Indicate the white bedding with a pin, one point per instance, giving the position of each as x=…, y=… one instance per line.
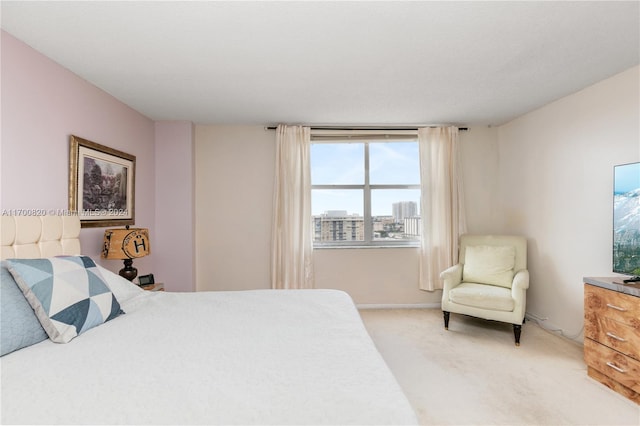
x=246, y=357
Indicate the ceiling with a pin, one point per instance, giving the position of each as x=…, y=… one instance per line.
x=464, y=63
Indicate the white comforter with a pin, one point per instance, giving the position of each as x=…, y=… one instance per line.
x=247, y=357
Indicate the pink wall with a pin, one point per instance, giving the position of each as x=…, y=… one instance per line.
x=42, y=104
x=175, y=206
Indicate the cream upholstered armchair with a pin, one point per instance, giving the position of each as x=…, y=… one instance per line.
x=490, y=281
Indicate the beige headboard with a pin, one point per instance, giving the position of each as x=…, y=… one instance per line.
x=31, y=237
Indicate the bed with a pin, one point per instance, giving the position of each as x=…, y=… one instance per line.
x=243, y=357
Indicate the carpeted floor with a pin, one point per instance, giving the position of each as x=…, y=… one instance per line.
x=473, y=374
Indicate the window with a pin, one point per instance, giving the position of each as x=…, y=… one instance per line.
x=365, y=193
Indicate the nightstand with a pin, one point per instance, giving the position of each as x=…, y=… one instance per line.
x=612, y=334
x=153, y=287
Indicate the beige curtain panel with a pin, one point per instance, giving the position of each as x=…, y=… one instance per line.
x=441, y=205
x=292, y=250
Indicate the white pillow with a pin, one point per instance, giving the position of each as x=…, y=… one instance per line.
x=489, y=265
x=122, y=288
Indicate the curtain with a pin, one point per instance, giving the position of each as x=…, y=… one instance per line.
x=292, y=244
x=441, y=203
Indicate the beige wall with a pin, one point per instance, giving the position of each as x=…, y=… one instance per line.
x=376, y=276
x=234, y=181
x=556, y=171
x=546, y=175
x=480, y=161
x=234, y=184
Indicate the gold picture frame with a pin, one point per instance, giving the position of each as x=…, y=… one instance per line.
x=101, y=184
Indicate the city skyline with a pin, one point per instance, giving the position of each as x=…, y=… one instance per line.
x=338, y=226
x=401, y=210
x=381, y=204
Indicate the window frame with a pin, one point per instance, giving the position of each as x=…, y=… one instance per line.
x=366, y=189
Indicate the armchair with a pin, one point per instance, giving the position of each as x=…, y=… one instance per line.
x=490, y=281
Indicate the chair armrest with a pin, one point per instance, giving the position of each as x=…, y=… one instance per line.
x=451, y=277
x=519, y=294
x=520, y=281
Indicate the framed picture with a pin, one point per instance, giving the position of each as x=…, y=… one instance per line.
x=101, y=184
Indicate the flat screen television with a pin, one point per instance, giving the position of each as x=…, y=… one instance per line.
x=626, y=220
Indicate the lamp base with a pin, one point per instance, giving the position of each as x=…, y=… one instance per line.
x=128, y=272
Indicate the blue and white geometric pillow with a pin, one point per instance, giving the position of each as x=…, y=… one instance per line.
x=19, y=326
x=67, y=293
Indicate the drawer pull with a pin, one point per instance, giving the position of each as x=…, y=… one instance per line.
x=617, y=308
x=613, y=336
x=615, y=367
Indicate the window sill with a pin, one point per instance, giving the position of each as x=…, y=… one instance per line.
x=345, y=247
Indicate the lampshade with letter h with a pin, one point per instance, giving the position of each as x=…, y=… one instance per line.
x=126, y=244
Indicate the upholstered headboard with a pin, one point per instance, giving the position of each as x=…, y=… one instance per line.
x=31, y=237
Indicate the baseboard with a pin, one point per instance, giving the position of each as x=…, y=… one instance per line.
x=398, y=306
x=543, y=323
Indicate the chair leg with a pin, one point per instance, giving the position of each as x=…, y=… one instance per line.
x=517, y=329
x=446, y=319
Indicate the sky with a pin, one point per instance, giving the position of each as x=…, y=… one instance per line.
x=389, y=163
x=627, y=178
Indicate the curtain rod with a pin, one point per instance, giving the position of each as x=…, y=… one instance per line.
x=384, y=129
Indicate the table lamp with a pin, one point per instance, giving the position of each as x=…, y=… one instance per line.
x=126, y=244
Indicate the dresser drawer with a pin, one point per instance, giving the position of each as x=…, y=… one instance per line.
x=605, y=303
x=611, y=363
x=621, y=337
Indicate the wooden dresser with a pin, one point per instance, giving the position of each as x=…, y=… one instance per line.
x=612, y=334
